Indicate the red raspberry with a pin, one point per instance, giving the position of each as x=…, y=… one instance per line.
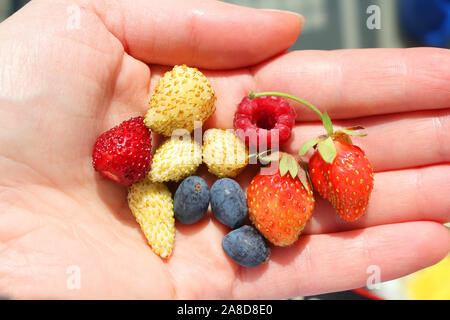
x=257, y=119
x=123, y=153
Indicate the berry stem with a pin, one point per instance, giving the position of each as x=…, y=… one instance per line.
x=252, y=95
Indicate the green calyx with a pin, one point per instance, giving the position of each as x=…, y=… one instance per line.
x=324, y=143
x=289, y=165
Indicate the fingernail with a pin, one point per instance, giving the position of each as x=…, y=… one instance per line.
x=301, y=17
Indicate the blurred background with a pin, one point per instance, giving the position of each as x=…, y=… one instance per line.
x=343, y=24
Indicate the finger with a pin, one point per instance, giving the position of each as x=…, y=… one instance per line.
x=346, y=260
x=207, y=34
x=356, y=83
x=345, y=83
x=393, y=142
x=397, y=196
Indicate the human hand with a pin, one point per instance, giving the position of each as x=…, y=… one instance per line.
x=61, y=87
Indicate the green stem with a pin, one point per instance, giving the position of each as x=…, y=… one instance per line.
x=285, y=95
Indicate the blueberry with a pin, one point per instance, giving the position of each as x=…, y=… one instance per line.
x=246, y=246
x=228, y=202
x=191, y=200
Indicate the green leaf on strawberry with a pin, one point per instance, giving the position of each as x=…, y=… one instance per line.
x=351, y=132
x=327, y=150
x=288, y=164
x=293, y=166
x=283, y=167
x=307, y=145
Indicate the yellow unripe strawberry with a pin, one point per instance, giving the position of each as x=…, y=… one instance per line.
x=152, y=205
x=176, y=159
x=182, y=96
x=224, y=154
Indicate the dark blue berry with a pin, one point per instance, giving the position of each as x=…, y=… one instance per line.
x=228, y=202
x=191, y=200
x=246, y=246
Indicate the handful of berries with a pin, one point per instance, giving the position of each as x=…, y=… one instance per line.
x=279, y=201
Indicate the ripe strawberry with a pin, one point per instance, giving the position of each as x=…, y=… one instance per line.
x=182, y=96
x=223, y=153
x=175, y=159
x=151, y=204
x=259, y=120
x=340, y=171
x=280, y=204
x=122, y=153
x=346, y=182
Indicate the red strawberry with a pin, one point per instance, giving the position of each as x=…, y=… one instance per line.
x=122, y=153
x=260, y=120
x=346, y=182
x=279, y=205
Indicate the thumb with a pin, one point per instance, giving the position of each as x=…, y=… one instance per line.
x=203, y=33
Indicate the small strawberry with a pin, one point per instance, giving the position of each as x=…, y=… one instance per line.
x=346, y=182
x=264, y=122
x=340, y=171
x=280, y=204
x=152, y=205
x=175, y=159
x=122, y=153
x=182, y=96
x=224, y=154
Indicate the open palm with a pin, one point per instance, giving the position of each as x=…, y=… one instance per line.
x=62, y=84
